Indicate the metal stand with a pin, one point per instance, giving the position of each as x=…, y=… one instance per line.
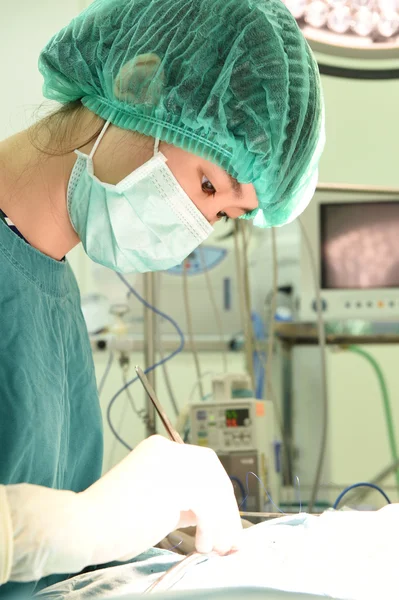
x=150, y=324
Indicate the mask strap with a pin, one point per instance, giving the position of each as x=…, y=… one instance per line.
x=100, y=137
x=156, y=146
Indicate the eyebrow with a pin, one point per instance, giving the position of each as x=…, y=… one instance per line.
x=237, y=189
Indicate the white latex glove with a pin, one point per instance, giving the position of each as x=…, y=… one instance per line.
x=6, y=537
x=159, y=487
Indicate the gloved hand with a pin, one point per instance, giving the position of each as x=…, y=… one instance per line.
x=159, y=487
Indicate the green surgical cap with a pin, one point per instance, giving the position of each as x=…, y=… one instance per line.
x=232, y=81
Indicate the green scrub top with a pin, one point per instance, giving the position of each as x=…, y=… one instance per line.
x=50, y=418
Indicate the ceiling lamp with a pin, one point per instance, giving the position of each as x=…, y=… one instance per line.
x=356, y=24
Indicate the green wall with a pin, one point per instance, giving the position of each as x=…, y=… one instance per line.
x=362, y=127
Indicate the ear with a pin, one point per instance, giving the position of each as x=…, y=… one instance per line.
x=140, y=80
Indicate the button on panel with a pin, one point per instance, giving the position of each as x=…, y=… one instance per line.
x=323, y=305
x=370, y=304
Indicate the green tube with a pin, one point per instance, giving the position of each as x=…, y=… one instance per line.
x=386, y=402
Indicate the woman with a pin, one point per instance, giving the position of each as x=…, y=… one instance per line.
x=175, y=114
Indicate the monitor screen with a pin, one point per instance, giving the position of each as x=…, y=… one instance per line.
x=359, y=245
x=237, y=417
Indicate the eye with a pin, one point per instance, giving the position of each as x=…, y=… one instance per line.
x=222, y=215
x=207, y=186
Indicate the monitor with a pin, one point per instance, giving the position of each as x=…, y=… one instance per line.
x=354, y=238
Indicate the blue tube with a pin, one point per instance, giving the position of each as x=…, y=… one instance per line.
x=158, y=364
x=356, y=485
x=259, y=358
x=244, y=496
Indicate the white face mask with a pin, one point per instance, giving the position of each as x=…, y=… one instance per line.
x=144, y=223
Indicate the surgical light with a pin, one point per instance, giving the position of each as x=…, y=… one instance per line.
x=364, y=21
x=360, y=24
x=388, y=25
x=296, y=7
x=316, y=13
x=339, y=19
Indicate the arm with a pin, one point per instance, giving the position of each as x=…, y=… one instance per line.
x=158, y=487
x=6, y=537
x=42, y=533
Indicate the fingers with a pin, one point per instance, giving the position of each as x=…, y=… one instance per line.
x=194, y=480
x=214, y=504
x=213, y=536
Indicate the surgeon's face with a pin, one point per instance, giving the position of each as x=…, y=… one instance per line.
x=213, y=191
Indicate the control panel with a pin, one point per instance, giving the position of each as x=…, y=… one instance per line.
x=385, y=305
x=231, y=425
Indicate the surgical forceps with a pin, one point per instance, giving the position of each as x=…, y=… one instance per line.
x=174, y=436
